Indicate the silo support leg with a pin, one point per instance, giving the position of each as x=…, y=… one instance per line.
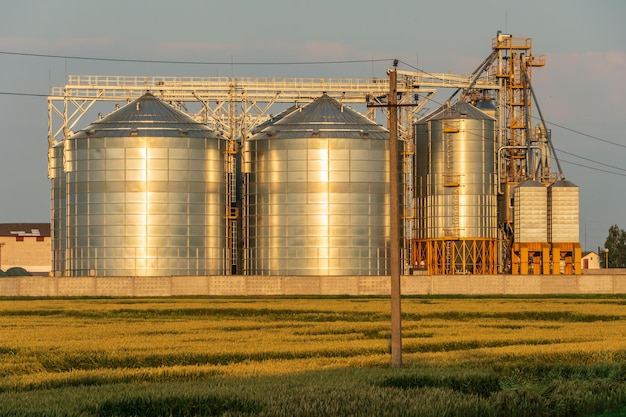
x=524, y=260
x=546, y=260
x=556, y=260
x=577, y=260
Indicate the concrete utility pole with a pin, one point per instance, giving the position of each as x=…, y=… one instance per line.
x=394, y=235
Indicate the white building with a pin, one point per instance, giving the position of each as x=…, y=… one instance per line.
x=590, y=260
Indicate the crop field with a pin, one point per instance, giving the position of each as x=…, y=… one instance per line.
x=313, y=356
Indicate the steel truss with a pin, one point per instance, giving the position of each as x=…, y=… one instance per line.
x=253, y=98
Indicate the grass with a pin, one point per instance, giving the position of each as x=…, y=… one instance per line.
x=312, y=356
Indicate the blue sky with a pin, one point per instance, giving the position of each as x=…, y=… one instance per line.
x=580, y=90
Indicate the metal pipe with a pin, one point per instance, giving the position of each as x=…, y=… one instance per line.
x=477, y=73
x=500, y=149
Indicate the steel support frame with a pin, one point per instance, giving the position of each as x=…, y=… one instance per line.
x=254, y=96
x=474, y=257
x=566, y=258
x=513, y=136
x=530, y=258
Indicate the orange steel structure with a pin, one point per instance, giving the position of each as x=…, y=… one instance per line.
x=448, y=257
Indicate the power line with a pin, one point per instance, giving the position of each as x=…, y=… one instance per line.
x=560, y=150
x=590, y=160
x=159, y=61
x=422, y=71
x=312, y=63
x=6, y=93
x=587, y=135
x=593, y=168
x=547, y=121
x=577, y=156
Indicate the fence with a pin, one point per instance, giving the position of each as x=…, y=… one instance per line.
x=310, y=285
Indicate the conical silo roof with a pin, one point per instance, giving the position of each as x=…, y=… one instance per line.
x=147, y=116
x=274, y=119
x=459, y=110
x=564, y=183
x=325, y=117
x=530, y=183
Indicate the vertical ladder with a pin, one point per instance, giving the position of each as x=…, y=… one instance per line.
x=231, y=181
x=233, y=211
x=451, y=178
x=455, y=211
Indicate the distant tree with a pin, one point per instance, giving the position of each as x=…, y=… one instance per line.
x=616, y=244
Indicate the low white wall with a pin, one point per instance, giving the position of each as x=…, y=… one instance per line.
x=310, y=285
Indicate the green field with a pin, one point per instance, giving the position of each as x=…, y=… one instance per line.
x=313, y=356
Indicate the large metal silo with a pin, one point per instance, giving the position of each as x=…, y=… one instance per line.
x=456, y=191
x=146, y=195
x=317, y=199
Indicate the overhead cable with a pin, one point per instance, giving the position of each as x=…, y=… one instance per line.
x=159, y=61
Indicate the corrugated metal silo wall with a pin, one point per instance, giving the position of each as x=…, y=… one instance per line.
x=530, y=213
x=317, y=206
x=563, y=213
x=146, y=206
x=456, y=184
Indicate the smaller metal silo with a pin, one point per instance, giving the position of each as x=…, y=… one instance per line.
x=563, y=215
x=563, y=227
x=530, y=212
x=531, y=252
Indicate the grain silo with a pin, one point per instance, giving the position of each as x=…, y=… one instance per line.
x=146, y=195
x=317, y=195
x=563, y=227
x=456, y=225
x=531, y=251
